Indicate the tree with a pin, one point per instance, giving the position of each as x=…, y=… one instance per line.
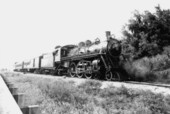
x=149, y=32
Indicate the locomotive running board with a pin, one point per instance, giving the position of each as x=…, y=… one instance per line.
x=79, y=57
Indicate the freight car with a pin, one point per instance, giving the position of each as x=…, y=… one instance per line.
x=90, y=59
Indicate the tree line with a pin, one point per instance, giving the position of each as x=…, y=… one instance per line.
x=147, y=34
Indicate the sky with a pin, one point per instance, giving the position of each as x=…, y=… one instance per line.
x=29, y=28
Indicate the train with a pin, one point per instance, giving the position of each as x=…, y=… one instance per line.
x=99, y=60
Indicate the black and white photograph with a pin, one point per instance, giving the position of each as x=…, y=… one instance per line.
x=84, y=57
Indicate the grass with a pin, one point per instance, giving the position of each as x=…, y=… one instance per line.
x=60, y=97
x=153, y=69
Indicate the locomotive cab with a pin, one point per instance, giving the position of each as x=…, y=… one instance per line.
x=61, y=61
x=65, y=50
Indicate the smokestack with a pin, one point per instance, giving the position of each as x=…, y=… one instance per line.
x=108, y=35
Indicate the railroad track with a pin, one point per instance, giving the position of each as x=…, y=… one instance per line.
x=150, y=84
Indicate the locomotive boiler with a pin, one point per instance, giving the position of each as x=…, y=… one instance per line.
x=91, y=60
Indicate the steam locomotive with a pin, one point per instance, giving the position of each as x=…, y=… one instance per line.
x=90, y=59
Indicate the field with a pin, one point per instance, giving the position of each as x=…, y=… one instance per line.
x=61, y=97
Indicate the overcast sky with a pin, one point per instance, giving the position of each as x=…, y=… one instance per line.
x=29, y=28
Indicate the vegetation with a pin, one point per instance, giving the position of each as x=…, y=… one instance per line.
x=153, y=69
x=146, y=42
x=148, y=33
x=60, y=97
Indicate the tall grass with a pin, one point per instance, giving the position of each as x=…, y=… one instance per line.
x=63, y=92
x=91, y=87
x=155, y=69
x=123, y=100
x=88, y=98
x=60, y=97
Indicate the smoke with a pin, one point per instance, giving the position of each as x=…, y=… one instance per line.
x=139, y=70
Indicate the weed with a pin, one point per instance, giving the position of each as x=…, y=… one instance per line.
x=91, y=87
x=60, y=97
x=148, y=69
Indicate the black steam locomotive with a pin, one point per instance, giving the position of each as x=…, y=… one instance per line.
x=90, y=59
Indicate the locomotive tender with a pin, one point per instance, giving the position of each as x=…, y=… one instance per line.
x=91, y=60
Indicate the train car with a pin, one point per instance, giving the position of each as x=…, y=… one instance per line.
x=32, y=65
x=28, y=65
x=18, y=66
x=37, y=64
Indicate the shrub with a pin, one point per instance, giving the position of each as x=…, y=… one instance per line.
x=123, y=100
x=155, y=102
x=149, y=69
x=63, y=92
x=91, y=87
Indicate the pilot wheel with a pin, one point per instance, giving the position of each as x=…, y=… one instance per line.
x=116, y=76
x=112, y=76
x=108, y=75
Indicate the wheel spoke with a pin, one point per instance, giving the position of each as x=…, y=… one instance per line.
x=80, y=69
x=88, y=73
x=72, y=70
x=79, y=73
